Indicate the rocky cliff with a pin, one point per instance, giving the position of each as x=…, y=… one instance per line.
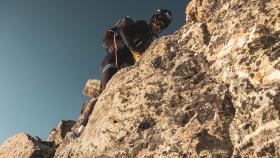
x=211, y=89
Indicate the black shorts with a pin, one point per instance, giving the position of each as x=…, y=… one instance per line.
x=124, y=59
x=109, y=60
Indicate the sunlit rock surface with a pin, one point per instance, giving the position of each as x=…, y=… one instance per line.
x=24, y=146
x=211, y=89
x=56, y=135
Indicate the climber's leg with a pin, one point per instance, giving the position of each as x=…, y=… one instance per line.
x=108, y=68
x=88, y=111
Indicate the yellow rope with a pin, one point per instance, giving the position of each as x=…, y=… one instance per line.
x=116, y=50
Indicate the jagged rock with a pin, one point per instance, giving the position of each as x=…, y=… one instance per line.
x=25, y=146
x=92, y=88
x=209, y=90
x=66, y=126
x=59, y=133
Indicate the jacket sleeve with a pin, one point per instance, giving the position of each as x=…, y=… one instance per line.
x=126, y=37
x=136, y=36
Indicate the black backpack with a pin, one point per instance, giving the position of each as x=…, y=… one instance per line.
x=108, y=35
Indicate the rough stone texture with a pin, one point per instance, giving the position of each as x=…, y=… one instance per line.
x=25, y=146
x=92, y=88
x=209, y=90
x=58, y=134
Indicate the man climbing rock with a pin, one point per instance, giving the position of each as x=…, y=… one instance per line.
x=128, y=40
x=125, y=43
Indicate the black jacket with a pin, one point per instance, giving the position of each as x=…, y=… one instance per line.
x=133, y=37
x=137, y=36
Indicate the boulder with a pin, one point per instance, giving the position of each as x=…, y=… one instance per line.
x=24, y=146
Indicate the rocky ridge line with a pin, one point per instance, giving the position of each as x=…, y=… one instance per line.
x=211, y=89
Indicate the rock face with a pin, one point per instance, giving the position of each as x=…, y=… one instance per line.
x=212, y=89
x=25, y=146
x=209, y=90
x=92, y=88
x=59, y=133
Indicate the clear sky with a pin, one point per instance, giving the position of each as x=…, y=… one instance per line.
x=48, y=51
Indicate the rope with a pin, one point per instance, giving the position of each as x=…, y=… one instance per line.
x=116, y=50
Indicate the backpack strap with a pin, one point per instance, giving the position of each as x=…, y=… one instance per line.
x=116, y=47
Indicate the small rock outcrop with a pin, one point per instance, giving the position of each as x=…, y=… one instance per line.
x=211, y=89
x=59, y=133
x=92, y=88
x=24, y=146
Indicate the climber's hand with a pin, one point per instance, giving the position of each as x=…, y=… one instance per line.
x=136, y=55
x=71, y=136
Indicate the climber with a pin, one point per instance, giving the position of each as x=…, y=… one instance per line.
x=125, y=43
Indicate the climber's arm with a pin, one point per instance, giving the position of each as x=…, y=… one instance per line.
x=135, y=35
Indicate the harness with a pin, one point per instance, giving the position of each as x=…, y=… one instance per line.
x=136, y=56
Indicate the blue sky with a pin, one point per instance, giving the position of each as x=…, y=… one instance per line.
x=50, y=48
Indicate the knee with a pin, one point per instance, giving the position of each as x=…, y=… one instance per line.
x=107, y=73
